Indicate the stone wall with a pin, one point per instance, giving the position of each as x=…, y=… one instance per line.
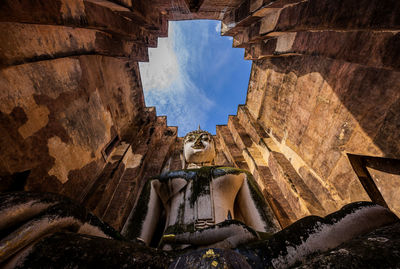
x=73, y=117
x=324, y=83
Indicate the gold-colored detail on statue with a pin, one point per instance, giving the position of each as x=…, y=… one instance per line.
x=209, y=254
x=168, y=238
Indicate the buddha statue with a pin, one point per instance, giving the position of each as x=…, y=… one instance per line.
x=203, y=216
x=203, y=205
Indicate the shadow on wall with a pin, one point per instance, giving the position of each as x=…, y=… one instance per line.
x=318, y=109
x=370, y=95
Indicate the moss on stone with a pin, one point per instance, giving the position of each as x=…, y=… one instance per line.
x=200, y=178
x=181, y=211
x=201, y=183
x=139, y=213
x=222, y=170
x=180, y=228
x=187, y=174
x=260, y=202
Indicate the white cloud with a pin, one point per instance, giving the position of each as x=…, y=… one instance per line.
x=168, y=85
x=218, y=27
x=163, y=68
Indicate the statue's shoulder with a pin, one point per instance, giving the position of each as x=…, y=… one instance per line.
x=223, y=170
x=205, y=171
x=186, y=174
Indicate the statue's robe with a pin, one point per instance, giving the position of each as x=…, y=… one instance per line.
x=195, y=199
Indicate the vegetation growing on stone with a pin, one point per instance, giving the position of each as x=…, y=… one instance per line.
x=201, y=184
x=139, y=212
x=180, y=228
x=200, y=177
x=260, y=202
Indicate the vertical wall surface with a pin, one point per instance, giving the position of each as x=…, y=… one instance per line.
x=325, y=82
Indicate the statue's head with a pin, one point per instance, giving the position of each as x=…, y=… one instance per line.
x=198, y=147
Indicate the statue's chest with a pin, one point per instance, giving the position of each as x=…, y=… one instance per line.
x=205, y=200
x=202, y=201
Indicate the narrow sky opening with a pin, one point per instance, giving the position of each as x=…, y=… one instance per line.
x=195, y=76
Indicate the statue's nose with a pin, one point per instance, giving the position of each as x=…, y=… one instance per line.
x=198, y=143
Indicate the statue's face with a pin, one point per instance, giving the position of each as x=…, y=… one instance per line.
x=198, y=148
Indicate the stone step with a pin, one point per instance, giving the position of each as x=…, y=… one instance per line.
x=333, y=15
x=52, y=42
x=366, y=48
x=221, y=158
x=270, y=189
x=99, y=15
x=301, y=199
x=259, y=168
x=323, y=28
x=162, y=139
x=239, y=134
x=135, y=170
x=103, y=188
x=251, y=11
x=229, y=146
x=175, y=159
x=120, y=202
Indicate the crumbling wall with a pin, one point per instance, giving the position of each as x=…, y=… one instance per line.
x=71, y=98
x=325, y=82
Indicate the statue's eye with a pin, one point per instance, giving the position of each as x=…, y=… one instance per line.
x=190, y=139
x=205, y=138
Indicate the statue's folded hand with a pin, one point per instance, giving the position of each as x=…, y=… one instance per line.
x=227, y=234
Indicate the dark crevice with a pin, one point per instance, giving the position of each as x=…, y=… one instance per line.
x=14, y=182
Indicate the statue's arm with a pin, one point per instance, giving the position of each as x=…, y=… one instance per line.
x=143, y=219
x=254, y=209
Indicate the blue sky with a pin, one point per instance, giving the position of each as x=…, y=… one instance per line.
x=195, y=76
